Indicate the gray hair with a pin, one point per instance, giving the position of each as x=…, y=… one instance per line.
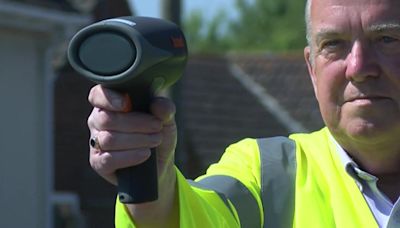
x=308, y=30
x=308, y=21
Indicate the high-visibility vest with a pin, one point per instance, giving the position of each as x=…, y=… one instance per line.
x=274, y=182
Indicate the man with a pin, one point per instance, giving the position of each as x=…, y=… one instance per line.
x=346, y=175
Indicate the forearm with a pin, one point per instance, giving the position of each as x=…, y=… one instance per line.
x=164, y=212
x=192, y=207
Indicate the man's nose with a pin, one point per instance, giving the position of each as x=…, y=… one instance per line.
x=361, y=62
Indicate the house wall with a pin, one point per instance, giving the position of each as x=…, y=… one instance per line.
x=28, y=37
x=24, y=167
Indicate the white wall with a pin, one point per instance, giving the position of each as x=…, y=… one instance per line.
x=28, y=37
x=22, y=146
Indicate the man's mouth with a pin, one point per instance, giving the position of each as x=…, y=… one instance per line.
x=366, y=99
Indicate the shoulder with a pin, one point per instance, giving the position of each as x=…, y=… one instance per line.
x=316, y=140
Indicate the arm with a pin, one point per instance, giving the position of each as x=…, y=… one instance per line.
x=126, y=139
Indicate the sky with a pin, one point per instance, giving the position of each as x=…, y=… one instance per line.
x=209, y=8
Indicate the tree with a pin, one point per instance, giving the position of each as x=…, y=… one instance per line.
x=262, y=25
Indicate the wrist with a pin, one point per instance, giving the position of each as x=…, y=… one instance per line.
x=165, y=208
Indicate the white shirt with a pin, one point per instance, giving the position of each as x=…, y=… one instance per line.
x=385, y=212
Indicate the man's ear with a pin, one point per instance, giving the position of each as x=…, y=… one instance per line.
x=311, y=70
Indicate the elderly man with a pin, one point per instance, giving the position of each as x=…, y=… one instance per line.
x=345, y=175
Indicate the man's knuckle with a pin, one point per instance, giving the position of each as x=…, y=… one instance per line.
x=104, y=119
x=106, y=163
x=91, y=95
x=107, y=139
x=93, y=163
x=90, y=121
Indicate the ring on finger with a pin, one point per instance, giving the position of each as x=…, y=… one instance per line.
x=94, y=143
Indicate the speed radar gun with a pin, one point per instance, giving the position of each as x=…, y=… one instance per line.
x=137, y=56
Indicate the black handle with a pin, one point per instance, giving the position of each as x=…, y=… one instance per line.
x=139, y=184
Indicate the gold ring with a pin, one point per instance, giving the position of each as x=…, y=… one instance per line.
x=94, y=143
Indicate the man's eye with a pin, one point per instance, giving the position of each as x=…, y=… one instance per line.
x=388, y=39
x=331, y=44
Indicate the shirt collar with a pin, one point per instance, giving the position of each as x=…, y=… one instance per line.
x=351, y=166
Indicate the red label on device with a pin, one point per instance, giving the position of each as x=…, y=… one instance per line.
x=178, y=42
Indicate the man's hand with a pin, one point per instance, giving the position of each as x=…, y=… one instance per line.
x=125, y=138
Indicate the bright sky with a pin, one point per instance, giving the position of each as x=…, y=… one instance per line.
x=208, y=7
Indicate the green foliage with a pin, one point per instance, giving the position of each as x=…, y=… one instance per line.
x=202, y=35
x=262, y=25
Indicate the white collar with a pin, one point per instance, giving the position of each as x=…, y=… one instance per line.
x=351, y=166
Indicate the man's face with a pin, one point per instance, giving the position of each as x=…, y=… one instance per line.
x=355, y=66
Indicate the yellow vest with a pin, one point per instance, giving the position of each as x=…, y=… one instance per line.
x=325, y=195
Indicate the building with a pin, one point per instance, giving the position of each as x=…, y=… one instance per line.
x=30, y=37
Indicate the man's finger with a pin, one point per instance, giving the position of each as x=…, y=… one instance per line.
x=108, y=99
x=164, y=109
x=116, y=141
x=134, y=122
x=106, y=163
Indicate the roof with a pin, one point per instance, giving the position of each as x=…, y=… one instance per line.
x=219, y=107
x=286, y=79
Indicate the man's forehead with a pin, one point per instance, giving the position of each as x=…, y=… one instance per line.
x=369, y=13
x=350, y=2
x=389, y=5
x=325, y=33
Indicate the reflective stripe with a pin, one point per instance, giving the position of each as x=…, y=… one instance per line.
x=245, y=204
x=278, y=175
x=222, y=196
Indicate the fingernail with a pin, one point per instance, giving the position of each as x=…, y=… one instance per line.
x=156, y=139
x=144, y=154
x=127, y=104
x=117, y=102
x=115, y=99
